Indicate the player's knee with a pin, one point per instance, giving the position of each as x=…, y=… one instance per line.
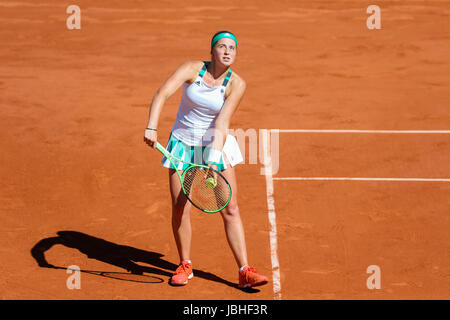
x=179, y=207
x=231, y=211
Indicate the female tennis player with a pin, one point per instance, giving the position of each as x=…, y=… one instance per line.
x=211, y=95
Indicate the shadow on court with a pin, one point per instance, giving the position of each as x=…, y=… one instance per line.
x=121, y=256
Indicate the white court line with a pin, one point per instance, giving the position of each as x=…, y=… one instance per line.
x=358, y=131
x=362, y=179
x=272, y=216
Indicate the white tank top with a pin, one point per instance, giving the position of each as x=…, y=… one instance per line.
x=200, y=104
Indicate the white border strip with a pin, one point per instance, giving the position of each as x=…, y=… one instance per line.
x=272, y=216
x=357, y=131
x=362, y=179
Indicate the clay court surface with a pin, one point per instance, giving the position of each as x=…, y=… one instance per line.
x=78, y=186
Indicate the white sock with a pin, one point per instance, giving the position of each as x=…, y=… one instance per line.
x=188, y=261
x=242, y=268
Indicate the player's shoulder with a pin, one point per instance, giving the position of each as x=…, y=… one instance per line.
x=236, y=81
x=190, y=69
x=190, y=65
x=194, y=64
x=237, y=85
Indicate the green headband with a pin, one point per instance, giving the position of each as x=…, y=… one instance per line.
x=221, y=36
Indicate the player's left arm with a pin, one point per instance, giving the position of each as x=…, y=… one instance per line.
x=229, y=107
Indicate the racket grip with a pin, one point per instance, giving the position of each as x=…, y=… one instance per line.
x=160, y=148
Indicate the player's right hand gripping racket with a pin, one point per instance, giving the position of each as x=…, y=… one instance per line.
x=206, y=188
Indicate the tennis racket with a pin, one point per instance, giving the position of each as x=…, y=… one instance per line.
x=206, y=188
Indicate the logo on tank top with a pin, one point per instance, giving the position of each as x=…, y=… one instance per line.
x=197, y=82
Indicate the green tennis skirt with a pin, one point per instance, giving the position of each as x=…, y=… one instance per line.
x=192, y=154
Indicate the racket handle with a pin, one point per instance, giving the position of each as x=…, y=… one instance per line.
x=159, y=147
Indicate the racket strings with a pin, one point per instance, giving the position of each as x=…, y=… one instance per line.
x=205, y=195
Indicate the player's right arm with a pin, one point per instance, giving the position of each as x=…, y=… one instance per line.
x=186, y=71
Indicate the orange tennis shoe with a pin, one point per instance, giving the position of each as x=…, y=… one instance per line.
x=249, y=277
x=182, y=274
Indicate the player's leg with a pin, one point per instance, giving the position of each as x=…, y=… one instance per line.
x=181, y=222
x=234, y=229
x=248, y=276
x=181, y=227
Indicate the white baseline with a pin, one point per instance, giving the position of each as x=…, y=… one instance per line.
x=363, y=179
x=360, y=131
